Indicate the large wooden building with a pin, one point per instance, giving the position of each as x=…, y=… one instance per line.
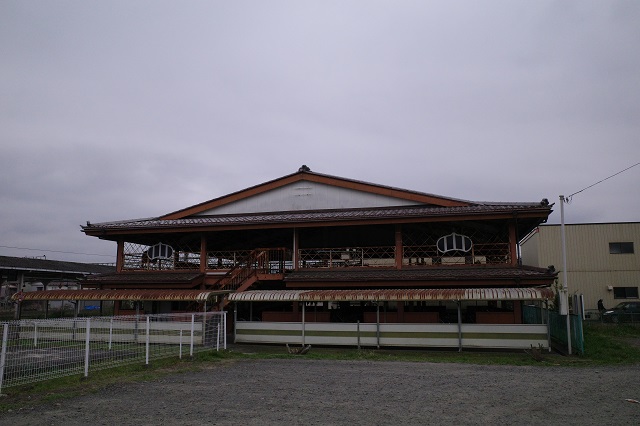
x=312, y=258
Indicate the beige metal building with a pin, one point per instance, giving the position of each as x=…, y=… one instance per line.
x=603, y=261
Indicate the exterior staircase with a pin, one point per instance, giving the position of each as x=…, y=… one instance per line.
x=260, y=262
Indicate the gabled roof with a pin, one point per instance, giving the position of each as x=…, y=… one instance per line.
x=417, y=205
x=304, y=174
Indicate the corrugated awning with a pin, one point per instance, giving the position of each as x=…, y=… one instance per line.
x=150, y=295
x=407, y=295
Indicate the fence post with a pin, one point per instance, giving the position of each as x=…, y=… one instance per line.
x=204, y=326
x=35, y=334
x=147, y=344
x=3, y=354
x=378, y=324
x=86, y=347
x=224, y=328
x=303, y=322
x=110, y=332
x=218, y=338
x=180, y=355
x=548, y=325
x=193, y=319
x=358, y=332
x=459, y=326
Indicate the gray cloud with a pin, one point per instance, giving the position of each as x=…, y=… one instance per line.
x=116, y=110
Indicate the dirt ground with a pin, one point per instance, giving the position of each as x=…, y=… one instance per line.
x=321, y=392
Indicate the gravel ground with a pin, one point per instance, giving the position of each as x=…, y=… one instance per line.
x=319, y=392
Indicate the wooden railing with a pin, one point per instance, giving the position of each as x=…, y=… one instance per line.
x=258, y=261
x=385, y=256
x=335, y=257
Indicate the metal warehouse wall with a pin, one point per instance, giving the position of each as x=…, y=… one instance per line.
x=590, y=266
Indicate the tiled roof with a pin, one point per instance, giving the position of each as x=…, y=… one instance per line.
x=43, y=265
x=144, y=278
x=318, y=216
x=420, y=274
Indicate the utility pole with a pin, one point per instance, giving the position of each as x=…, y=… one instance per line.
x=564, y=299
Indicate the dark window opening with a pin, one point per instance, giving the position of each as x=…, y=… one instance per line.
x=625, y=292
x=620, y=248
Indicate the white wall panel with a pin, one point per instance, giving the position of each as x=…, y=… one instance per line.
x=306, y=195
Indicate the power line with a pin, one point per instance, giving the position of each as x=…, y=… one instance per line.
x=568, y=198
x=57, y=251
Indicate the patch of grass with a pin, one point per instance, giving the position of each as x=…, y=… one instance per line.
x=611, y=344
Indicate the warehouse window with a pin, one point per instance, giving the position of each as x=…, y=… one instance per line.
x=625, y=292
x=620, y=248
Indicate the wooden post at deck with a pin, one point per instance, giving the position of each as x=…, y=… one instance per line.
x=513, y=244
x=296, y=255
x=203, y=254
x=120, y=256
x=517, y=311
x=398, y=255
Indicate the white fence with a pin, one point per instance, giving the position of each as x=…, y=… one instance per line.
x=36, y=350
x=496, y=336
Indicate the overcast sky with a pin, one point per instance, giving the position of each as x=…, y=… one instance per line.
x=114, y=110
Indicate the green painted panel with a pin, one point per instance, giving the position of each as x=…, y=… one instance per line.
x=396, y=335
x=256, y=332
x=417, y=335
x=337, y=333
x=505, y=336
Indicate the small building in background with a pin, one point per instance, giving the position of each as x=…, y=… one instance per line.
x=603, y=262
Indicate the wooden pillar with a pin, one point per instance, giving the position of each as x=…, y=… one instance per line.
x=513, y=243
x=203, y=253
x=398, y=241
x=517, y=311
x=120, y=256
x=296, y=310
x=295, y=254
x=400, y=307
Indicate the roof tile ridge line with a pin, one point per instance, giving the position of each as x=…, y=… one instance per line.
x=301, y=174
x=415, y=207
x=116, y=222
x=537, y=269
x=328, y=211
x=395, y=188
x=231, y=194
x=511, y=203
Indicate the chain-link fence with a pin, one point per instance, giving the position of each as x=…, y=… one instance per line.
x=36, y=350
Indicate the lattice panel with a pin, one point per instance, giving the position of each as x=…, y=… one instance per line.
x=226, y=259
x=158, y=257
x=346, y=256
x=490, y=244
